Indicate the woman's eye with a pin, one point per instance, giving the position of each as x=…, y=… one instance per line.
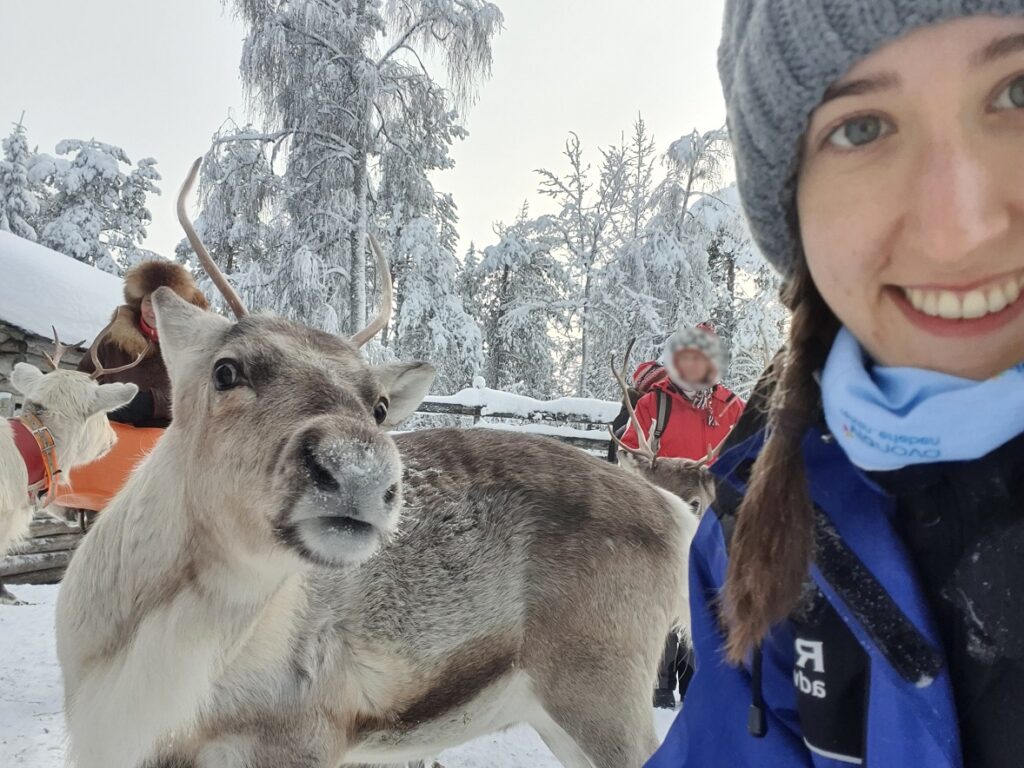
x=1011, y=97
x=380, y=411
x=859, y=132
x=226, y=375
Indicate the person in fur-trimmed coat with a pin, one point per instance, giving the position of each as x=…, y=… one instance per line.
x=132, y=332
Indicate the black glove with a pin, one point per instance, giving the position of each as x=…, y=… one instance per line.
x=139, y=412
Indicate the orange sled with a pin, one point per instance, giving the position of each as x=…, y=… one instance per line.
x=93, y=485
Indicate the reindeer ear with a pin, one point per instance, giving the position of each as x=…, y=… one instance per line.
x=24, y=376
x=183, y=329
x=405, y=385
x=110, y=397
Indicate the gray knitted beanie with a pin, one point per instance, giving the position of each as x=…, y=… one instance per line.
x=776, y=60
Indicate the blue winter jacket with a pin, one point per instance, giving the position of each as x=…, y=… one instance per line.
x=855, y=677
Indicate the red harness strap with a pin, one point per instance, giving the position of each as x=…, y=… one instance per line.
x=37, y=448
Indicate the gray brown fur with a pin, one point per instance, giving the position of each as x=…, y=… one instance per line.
x=510, y=579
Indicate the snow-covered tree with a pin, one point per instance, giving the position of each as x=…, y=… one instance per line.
x=583, y=227
x=236, y=186
x=19, y=202
x=94, y=210
x=520, y=289
x=344, y=91
x=431, y=322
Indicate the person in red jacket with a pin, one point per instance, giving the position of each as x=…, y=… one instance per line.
x=692, y=413
x=700, y=411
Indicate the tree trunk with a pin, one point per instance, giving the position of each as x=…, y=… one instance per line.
x=357, y=266
x=585, y=336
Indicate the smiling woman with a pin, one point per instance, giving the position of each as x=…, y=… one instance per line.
x=910, y=203
x=862, y=569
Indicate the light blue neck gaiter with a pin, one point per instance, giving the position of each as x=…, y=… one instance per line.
x=889, y=418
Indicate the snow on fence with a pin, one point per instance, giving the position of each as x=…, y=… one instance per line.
x=578, y=421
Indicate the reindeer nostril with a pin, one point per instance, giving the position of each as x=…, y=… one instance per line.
x=390, y=494
x=323, y=479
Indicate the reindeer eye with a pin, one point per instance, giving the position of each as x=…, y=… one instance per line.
x=380, y=410
x=227, y=374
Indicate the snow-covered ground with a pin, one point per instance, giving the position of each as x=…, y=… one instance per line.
x=32, y=726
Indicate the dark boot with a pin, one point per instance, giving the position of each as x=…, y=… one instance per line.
x=664, y=693
x=664, y=699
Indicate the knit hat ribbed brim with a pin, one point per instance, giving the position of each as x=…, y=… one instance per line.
x=776, y=60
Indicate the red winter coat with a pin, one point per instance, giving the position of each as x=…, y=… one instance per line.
x=687, y=434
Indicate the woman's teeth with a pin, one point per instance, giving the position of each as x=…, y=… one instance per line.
x=971, y=305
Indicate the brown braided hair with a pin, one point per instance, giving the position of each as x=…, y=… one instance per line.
x=772, y=545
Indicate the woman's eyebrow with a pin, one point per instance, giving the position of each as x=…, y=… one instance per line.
x=997, y=49
x=884, y=81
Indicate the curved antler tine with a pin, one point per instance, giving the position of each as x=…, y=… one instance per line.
x=96, y=364
x=58, y=350
x=387, y=298
x=647, y=443
x=101, y=371
x=225, y=288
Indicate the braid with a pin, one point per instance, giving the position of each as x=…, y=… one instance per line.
x=773, y=542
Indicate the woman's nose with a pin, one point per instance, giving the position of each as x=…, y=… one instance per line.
x=963, y=202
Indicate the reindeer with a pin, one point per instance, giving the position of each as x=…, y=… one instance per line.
x=284, y=584
x=688, y=479
x=63, y=422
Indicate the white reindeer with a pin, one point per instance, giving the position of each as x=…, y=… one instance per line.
x=282, y=584
x=62, y=423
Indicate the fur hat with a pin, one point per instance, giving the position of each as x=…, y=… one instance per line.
x=704, y=339
x=145, y=277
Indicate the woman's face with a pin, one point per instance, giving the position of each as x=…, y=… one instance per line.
x=911, y=198
x=147, y=311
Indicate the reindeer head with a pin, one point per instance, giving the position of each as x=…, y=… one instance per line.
x=688, y=479
x=286, y=426
x=73, y=406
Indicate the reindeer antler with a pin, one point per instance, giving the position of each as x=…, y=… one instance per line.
x=713, y=451
x=378, y=323
x=225, y=288
x=647, y=445
x=58, y=349
x=99, y=370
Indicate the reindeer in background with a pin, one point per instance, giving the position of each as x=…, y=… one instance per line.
x=284, y=584
x=62, y=423
x=688, y=479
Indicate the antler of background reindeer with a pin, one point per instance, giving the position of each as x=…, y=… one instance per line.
x=647, y=443
x=59, y=349
x=231, y=297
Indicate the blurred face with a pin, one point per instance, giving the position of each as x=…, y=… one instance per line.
x=692, y=366
x=147, y=311
x=911, y=198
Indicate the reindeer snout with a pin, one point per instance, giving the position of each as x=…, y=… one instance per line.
x=349, y=496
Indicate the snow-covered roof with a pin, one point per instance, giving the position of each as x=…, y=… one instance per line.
x=40, y=287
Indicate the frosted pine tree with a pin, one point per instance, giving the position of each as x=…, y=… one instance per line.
x=236, y=223
x=751, y=317
x=19, y=203
x=584, y=230
x=431, y=322
x=520, y=289
x=343, y=90
x=95, y=211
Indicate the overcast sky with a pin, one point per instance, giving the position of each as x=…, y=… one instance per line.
x=159, y=78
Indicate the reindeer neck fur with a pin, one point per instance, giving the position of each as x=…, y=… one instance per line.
x=159, y=560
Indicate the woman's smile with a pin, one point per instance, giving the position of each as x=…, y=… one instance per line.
x=963, y=310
